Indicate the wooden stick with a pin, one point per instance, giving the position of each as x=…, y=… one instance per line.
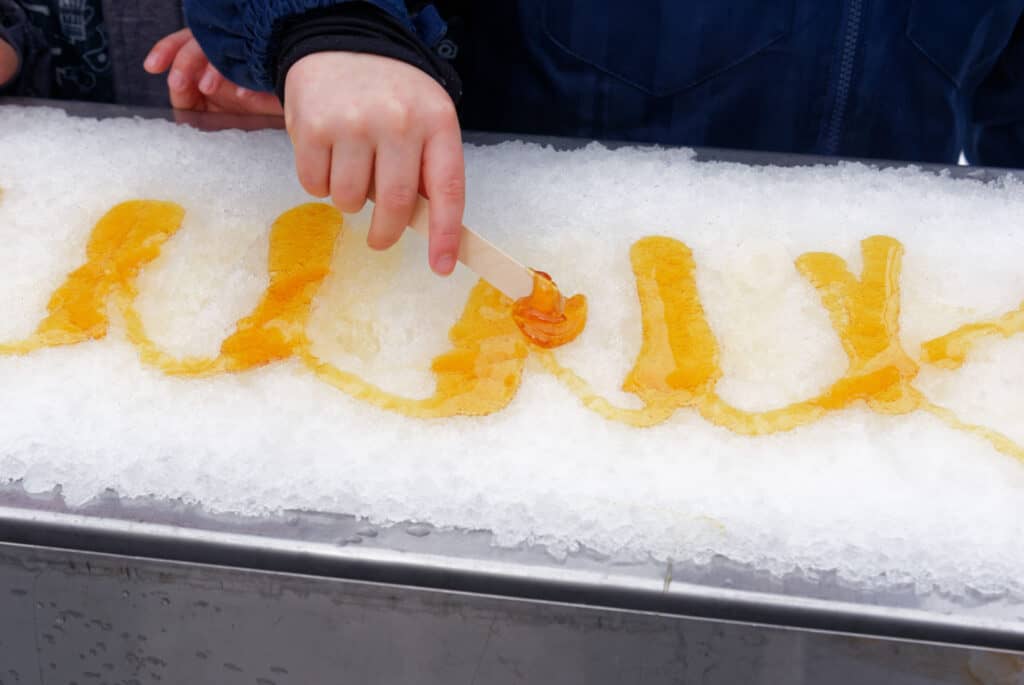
x=486, y=259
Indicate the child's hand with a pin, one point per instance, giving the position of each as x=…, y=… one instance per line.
x=8, y=62
x=195, y=84
x=359, y=121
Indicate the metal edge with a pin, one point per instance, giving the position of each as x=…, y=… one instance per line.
x=498, y=579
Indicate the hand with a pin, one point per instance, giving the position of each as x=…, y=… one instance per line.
x=359, y=121
x=196, y=84
x=8, y=62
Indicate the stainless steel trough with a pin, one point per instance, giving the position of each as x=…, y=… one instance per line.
x=154, y=591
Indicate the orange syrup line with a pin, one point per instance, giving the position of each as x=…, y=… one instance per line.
x=678, y=365
x=124, y=240
x=678, y=362
x=950, y=351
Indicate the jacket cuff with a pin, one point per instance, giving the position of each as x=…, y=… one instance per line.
x=262, y=22
x=239, y=36
x=360, y=27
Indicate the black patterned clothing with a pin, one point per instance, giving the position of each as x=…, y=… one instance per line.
x=87, y=49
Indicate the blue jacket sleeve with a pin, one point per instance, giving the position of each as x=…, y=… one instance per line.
x=238, y=35
x=995, y=135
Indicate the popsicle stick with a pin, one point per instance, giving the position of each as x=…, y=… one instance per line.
x=486, y=259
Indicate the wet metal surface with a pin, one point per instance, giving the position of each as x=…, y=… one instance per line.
x=85, y=618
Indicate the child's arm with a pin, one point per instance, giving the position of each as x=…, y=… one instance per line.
x=367, y=103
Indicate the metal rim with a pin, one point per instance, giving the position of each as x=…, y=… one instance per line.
x=497, y=579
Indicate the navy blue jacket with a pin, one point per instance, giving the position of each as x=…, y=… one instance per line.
x=898, y=79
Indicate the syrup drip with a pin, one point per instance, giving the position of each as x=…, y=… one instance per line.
x=480, y=375
x=301, y=247
x=677, y=367
x=127, y=238
x=546, y=318
x=950, y=351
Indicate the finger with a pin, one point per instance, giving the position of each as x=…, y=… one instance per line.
x=313, y=165
x=225, y=96
x=255, y=102
x=444, y=180
x=396, y=181
x=351, y=169
x=211, y=80
x=185, y=97
x=189, y=64
x=162, y=53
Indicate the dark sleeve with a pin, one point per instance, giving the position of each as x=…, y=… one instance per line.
x=995, y=135
x=240, y=37
x=358, y=27
x=34, y=77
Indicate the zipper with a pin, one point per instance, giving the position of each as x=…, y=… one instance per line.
x=851, y=36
